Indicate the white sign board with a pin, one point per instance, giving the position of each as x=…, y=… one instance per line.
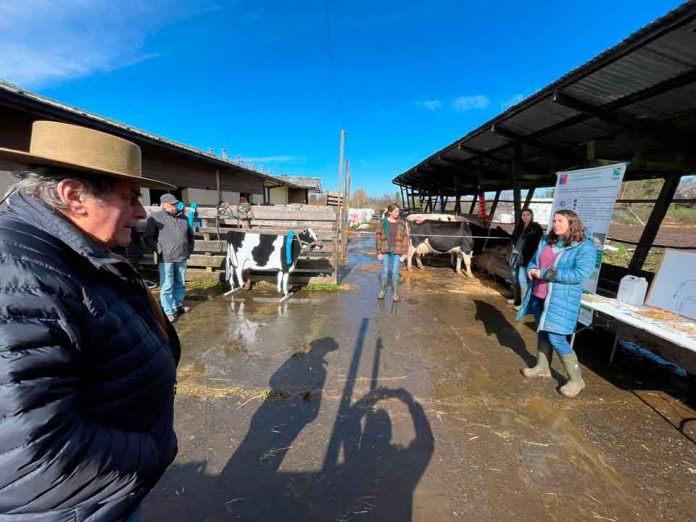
x=592, y=194
x=674, y=286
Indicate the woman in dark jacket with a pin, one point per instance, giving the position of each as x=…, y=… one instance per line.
x=564, y=260
x=525, y=240
x=87, y=358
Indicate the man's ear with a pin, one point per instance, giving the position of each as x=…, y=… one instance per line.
x=72, y=193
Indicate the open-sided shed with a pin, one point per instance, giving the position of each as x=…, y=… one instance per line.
x=635, y=102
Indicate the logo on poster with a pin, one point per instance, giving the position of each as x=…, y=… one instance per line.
x=563, y=180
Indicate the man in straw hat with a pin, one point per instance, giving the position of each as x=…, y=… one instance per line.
x=87, y=358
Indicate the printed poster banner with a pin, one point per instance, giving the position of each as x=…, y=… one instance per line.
x=592, y=194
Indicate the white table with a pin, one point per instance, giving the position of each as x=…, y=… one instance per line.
x=625, y=316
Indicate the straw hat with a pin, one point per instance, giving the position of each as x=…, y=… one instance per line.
x=68, y=146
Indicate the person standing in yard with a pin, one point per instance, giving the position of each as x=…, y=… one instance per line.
x=87, y=358
x=563, y=261
x=392, y=240
x=525, y=240
x=168, y=233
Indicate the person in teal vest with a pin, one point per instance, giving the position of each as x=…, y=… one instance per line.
x=391, y=241
x=563, y=261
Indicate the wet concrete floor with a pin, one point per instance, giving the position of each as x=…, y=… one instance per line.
x=335, y=406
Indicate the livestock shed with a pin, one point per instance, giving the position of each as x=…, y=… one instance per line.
x=202, y=177
x=295, y=189
x=635, y=102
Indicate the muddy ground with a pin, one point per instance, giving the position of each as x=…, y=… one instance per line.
x=335, y=406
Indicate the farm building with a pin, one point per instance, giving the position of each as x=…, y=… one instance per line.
x=202, y=177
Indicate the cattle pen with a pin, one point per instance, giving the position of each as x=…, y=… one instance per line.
x=210, y=246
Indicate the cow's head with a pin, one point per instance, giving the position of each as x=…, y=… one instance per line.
x=309, y=239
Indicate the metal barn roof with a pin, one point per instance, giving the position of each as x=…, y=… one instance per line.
x=634, y=102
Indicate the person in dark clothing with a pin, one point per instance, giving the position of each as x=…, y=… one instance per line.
x=168, y=233
x=391, y=241
x=87, y=358
x=525, y=240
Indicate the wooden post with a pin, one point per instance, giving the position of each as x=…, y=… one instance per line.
x=458, y=205
x=528, y=199
x=669, y=188
x=218, y=185
x=516, y=174
x=474, y=197
x=495, y=204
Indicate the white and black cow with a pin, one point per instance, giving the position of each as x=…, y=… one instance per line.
x=266, y=253
x=461, y=240
x=441, y=237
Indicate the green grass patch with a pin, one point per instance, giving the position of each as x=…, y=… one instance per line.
x=208, y=283
x=322, y=287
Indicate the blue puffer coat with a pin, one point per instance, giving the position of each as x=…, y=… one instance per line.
x=570, y=269
x=87, y=375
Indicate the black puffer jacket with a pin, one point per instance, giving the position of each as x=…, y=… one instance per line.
x=87, y=375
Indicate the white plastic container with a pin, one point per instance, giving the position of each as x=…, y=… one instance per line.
x=632, y=290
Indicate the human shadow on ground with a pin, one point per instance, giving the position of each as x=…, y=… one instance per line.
x=495, y=323
x=363, y=473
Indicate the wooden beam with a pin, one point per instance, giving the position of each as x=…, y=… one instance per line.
x=516, y=171
x=669, y=188
x=528, y=199
x=473, y=202
x=533, y=141
x=495, y=204
x=653, y=129
x=483, y=154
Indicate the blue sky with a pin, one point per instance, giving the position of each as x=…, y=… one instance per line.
x=256, y=78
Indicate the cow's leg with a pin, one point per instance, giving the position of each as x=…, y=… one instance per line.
x=467, y=263
x=280, y=281
x=239, y=271
x=459, y=256
x=286, y=276
x=419, y=262
x=409, y=257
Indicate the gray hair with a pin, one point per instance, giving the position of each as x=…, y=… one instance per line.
x=42, y=183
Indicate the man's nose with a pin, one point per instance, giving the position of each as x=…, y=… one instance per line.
x=139, y=211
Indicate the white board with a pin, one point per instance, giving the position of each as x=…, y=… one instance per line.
x=674, y=286
x=592, y=194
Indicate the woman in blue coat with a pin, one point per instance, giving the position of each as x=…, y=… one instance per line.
x=563, y=261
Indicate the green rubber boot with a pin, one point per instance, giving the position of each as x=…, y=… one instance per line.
x=575, y=383
x=542, y=367
x=382, y=288
x=395, y=291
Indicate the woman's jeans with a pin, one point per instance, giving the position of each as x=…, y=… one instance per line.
x=172, y=288
x=519, y=283
x=558, y=341
x=390, y=261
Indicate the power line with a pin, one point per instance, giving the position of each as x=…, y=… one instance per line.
x=329, y=49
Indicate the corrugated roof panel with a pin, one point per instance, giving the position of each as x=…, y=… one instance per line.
x=540, y=116
x=634, y=73
x=661, y=51
x=665, y=105
x=487, y=141
x=678, y=44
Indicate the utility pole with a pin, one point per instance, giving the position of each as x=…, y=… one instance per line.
x=344, y=225
x=340, y=177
